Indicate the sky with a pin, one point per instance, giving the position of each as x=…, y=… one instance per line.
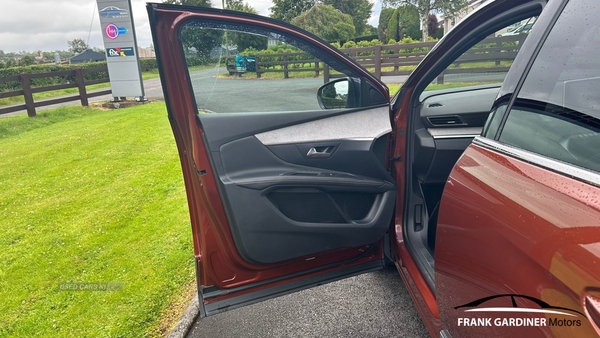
x=47, y=25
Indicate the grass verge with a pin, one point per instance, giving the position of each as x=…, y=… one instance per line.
x=91, y=196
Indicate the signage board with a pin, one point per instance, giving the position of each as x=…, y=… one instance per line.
x=118, y=34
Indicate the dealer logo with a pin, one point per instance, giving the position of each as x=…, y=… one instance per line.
x=120, y=52
x=558, y=316
x=113, y=31
x=113, y=12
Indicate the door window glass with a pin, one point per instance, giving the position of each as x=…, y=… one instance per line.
x=488, y=61
x=245, y=69
x=557, y=112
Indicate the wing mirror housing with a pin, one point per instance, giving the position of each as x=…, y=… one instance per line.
x=334, y=94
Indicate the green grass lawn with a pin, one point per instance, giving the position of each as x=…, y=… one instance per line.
x=88, y=195
x=394, y=87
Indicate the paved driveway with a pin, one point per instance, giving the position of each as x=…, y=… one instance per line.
x=370, y=305
x=236, y=95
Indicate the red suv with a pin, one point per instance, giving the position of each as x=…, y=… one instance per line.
x=479, y=179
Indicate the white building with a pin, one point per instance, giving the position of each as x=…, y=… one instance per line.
x=450, y=22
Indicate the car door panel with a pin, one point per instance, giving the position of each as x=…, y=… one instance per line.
x=281, y=210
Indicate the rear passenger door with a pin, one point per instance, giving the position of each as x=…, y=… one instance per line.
x=520, y=212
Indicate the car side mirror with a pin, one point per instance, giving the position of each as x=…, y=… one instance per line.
x=334, y=94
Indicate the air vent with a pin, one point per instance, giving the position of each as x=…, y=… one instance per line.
x=448, y=120
x=435, y=105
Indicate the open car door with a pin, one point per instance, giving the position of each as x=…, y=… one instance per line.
x=286, y=178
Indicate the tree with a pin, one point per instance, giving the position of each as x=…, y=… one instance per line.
x=193, y=35
x=449, y=8
x=244, y=41
x=432, y=27
x=394, y=31
x=384, y=19
x=77, y=46
x=201, y=3
x=287, y=10
x=64, y=54
x=370, y=30
x=10, y=63
x=326, y=22
x=409, y=20
x=359, y=10
x=439, y=34
x=27, y=60
x=239, y=5
x=48, y=55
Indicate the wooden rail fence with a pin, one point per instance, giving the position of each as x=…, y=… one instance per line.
x=398, y=59
x=27, y=90
x=291, y=62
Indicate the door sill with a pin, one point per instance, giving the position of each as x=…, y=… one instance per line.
x=282, y=289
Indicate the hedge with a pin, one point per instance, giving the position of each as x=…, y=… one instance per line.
x=148, y=65
x=283, y=48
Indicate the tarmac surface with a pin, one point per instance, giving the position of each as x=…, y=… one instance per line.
x=375, y=304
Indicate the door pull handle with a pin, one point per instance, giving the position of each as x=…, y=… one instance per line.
x=319, y=151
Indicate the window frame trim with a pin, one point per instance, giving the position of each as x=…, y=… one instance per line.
x=570, y=170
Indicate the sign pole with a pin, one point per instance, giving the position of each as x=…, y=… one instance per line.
x=122, y=59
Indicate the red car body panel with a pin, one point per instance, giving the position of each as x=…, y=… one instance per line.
x=505, y=223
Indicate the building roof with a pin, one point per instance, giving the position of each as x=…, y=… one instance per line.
x=88, y=56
